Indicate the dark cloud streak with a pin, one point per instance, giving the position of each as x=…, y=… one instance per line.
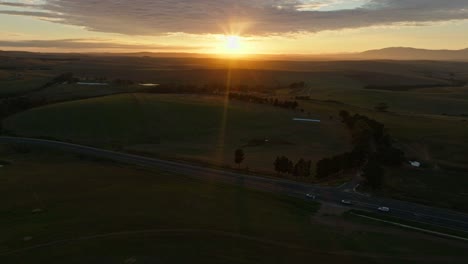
x=16, y=4
x=30, y=13
x=86, y=44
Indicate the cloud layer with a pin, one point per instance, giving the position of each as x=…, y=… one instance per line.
x=255, y=17
x=87, y=44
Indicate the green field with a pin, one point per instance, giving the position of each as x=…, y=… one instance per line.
x=444, y=188
x=11, y=86
x=185, y=126
x=427, y=101
x=439, y=142
x=190, y=127
x=429, y=138
x=95, y=212
x=429, y=124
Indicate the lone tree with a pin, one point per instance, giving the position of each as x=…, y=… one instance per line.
x=239, y=157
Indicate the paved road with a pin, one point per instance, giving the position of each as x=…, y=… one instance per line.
x=404, y=210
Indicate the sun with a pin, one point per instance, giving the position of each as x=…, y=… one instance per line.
x=233, y=44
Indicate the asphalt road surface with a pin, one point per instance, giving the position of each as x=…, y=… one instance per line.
x=405, y=210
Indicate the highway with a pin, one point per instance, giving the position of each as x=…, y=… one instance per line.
x=404, y=210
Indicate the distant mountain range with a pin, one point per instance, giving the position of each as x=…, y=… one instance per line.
x=392, y=53
x=402, y=53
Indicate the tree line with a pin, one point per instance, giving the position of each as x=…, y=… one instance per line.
x=339, y=164
x=293, y=105
x=372, y=149
x=301, y=168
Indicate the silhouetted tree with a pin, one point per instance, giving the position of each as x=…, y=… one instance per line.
x=284, y=165
x=391, y=156
x=302, y=168
x=290, y=167
x=239, y=157
x=323, y=168
x=373, y=174
x=344, y=115
x=277, y=164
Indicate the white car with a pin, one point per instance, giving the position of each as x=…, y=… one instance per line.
x=347, y=202
x=384, y=209
x=309, y=195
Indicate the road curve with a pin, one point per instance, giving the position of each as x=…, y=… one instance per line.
x=405, y=210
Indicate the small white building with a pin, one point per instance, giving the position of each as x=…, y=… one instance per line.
x=416, y=164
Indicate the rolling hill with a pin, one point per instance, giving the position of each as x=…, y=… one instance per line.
x=403, y=53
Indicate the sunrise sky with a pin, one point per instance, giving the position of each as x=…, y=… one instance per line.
x=224, y=26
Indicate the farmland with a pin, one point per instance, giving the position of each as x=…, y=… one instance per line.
x=193, y=127
x=144, y=214
x=429, y=124
x=273, y=131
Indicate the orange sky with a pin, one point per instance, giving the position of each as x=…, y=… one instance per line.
x=264, y=27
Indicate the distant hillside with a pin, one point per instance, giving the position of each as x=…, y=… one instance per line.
x=415, y=54
x=392, y=53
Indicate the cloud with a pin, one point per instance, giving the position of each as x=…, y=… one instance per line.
x=250, y=17
x=16, y=4
x=30, y=13
x=87, y=44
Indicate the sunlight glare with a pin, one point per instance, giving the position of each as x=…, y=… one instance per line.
x=233, y=43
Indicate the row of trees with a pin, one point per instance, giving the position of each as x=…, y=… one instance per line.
x=263, y=100
x=212, y=88
x=296, y=85
x=339, y=164
x=286, y=104
x=372, y=149
x=70, y=78
x=249, y=98
x=301, y=168
x=370, y=136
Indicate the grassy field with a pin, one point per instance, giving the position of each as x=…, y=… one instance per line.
x=430, y=186
x=101, y=212
x=10, y=87
x=429, y=124
x=386, y=220
x=427, y=101
x=424, y=137
x=439, y=142
x=200, y=71
x=191, y=127
x=70, y=92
